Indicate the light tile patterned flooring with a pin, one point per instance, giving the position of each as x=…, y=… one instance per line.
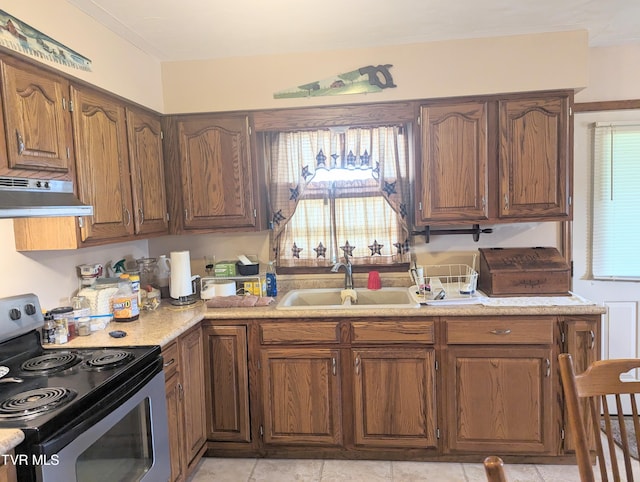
x=285, y=470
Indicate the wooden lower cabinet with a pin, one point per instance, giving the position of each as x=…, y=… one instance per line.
x=500, y=400
x=301, y=396
x=227, y=386
x=184, y=388
x=394, y=397
x=431, y=388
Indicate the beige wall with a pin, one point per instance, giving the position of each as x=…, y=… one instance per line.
x=117, y=65
x=426, y=70
x=420, y=71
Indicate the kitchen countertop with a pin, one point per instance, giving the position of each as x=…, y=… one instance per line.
x=163, y=325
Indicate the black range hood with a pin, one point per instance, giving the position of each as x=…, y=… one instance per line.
x=29, y=198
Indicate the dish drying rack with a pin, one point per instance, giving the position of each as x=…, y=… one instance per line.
x=447, y=282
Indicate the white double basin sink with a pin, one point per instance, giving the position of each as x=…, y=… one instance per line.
x=331, y=299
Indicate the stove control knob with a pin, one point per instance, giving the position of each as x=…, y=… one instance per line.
x=14, y=314
x=30, y=309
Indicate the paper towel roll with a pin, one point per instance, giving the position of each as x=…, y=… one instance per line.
x=180, y=280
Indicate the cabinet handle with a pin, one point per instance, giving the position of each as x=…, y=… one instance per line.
x=501, y=331
x=128, y=213
x=181, y=390
x=593, y=339
x=333, y=366
x=20, y=142
x=357, y=365
x=141, y=215
x=484, y=202
x=506, y=202
x=548, y=372
x=170, y=362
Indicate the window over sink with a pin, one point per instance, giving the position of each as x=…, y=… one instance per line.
x=337, y=191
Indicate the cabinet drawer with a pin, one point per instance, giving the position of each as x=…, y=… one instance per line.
x=500, y=331
x=170, y=355
x=302, y=333
x=392, y=332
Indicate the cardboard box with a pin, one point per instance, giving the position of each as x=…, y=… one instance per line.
x=523, y=272
x=225, y=268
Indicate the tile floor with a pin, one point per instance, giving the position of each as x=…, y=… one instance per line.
x=285, y=470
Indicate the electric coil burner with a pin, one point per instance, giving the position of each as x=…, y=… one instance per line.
x=61, y=398
x=30, y=404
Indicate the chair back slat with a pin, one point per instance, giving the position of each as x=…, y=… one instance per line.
x=601, y=379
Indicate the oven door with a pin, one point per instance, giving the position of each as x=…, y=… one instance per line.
x=126, y=439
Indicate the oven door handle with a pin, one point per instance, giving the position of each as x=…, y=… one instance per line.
x=68, y=432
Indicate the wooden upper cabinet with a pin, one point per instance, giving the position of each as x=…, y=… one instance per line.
x=37, y=123
x=217, y=172
x=534, y=158
x=102, y=163
x=144, y=133
x=453, y=171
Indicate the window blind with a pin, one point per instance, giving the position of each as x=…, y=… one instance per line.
x=616, y=201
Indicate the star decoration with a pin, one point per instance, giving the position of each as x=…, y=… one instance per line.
x=402, y=247
x=403, y=210
x=277, y=217
x=296, y=251
x=294, y=193
x=320, y=160
x=305, y=172
x=375, y=248
x=348, y=249
x=364, y=159
x=351, y=160
x=389, y=188
x=320, y=251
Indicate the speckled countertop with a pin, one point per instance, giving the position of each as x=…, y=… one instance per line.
x=163, y=325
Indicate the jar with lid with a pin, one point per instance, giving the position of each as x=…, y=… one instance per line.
x=63, y=317
x=49, y=329
x=81, y=306
x=84, y=326
x=148, y=267
x=124, y=302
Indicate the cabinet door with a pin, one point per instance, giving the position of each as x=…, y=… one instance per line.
x=453, y=175
x=534, y=165
x=582, y=337
x=499, y=400
x=301, y=396
x=217, y=173
x=147, y=172
x=175, y=395
x=192, y=360
x=100, y=136
x=227, y=384
x=37, y=122
x=394, y=397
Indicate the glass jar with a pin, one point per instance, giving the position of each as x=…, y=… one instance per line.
x=63, y=316
x=148, y=268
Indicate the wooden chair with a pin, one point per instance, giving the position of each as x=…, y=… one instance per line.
x=494, y=468
x=589, y=391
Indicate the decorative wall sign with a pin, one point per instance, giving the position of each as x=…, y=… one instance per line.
x=364, y=80
x=17, y=35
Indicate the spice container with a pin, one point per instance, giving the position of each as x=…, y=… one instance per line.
x=48, y=330
x=63, y=316
x=84, y=326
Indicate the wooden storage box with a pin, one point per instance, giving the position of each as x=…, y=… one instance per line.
x=523, y=272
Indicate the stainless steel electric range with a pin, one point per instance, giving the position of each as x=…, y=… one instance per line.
x=87, y=414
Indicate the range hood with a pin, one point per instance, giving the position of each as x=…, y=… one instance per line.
x=29, y=198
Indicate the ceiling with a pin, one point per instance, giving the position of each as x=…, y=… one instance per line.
x=205, y=29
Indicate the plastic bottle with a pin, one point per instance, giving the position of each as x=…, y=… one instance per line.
x=272, y=285
x=124, y=302
x=163, y=274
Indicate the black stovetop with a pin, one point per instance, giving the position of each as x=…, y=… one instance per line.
x=80, y=386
